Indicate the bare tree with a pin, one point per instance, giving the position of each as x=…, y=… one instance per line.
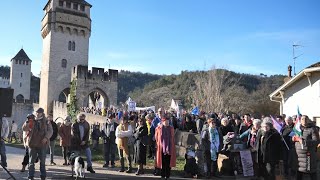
x=217, y=90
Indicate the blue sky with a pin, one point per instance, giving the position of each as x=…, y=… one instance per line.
x=169, y=36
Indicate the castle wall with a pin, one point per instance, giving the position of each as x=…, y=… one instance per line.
x=20, y=112
x=4, y=82
x=60, y=111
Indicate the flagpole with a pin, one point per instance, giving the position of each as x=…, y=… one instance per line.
x=284, y=142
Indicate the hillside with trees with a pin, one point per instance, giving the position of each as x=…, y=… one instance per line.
x=217, y=90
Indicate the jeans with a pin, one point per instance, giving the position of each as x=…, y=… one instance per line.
x=65, y=151
x=89, y=157
x=3, y=154
x=51, y=148
x=109, y=150
x=33, y=154
x=128, y=157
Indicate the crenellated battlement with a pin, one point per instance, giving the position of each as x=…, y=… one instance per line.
x=98, y=74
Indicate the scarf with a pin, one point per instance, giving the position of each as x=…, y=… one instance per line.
x=214, y=146
x=165, y=139
x=253, y=139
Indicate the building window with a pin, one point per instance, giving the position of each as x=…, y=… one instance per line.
x=27, y=62
x=73, y=46
x=83, y=8
x=61, y=3
x=16, y=61
x=75, y=6
x=23, y=62
x=69, y=46
x=64, y=63
x=20, y=84
x=19, y=61
x=68, y=4
x=21, y=74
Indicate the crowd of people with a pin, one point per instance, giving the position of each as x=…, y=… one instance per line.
x=273, y=142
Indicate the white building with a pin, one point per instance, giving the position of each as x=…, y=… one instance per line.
x=4, y=82
x=20, y=76
x=303, y=91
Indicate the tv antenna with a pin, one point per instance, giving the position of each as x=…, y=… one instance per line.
x=294, y=46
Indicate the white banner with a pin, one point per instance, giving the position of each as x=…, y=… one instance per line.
x=132, y=106
x=247, y=165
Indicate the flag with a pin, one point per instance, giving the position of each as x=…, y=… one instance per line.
x=276, y=124
x=296, y=128
x=195, y=111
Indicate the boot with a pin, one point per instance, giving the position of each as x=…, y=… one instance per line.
x=89, y=168
x=23, y=168
x=122, y=165
x=130, y=167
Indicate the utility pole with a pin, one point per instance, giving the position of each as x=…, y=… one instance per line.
x=294, y=46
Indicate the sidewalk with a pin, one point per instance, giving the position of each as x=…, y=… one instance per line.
x=15, y=157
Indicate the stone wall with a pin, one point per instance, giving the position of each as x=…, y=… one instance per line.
x=60, y=111
x=20, y=112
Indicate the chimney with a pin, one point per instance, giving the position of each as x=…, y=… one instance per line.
x=289, y=71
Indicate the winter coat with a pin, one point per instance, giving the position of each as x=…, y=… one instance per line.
x=269, y=146
x=199, y=124
x=140, y=145
x=95, y=135
x=190, y=126
x=205, y=139
x=225, y=129
x=75, y=136
x=158, y=135
x=307, y=157
x=40, y=129
x=65, y=134
x=54, y=131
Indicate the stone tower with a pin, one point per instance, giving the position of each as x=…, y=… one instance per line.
x=66, y=29
x=20, y=76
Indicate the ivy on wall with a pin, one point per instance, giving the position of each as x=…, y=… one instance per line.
x=72, y=105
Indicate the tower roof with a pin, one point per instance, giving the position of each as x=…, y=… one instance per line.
x=21, y=56
x=76, y=1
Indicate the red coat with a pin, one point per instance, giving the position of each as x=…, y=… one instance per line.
x=65, y=135
x=158, y=134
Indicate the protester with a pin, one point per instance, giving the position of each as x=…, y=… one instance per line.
x=190, y=125
x=237, y=127
x=140, y=146
x=53, y=138
x=166, y=151
x=65, y=138
x=95, y=136
x=39, y=132
x=123, y=132
x=289, y=161
x=306, y=149
x=269, y=149
x=25, y=162
x=211, y=142
x=251, y=134
x=14, y=129
x=109, y=141
x=4, y=135
x=80, y=131
x=155, y=122
x=199, y=123
x=149, y=119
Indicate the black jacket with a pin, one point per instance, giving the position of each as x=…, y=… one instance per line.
x=55, y=131
x=269, y=145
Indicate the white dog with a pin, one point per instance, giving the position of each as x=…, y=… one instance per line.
x=77, y=165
